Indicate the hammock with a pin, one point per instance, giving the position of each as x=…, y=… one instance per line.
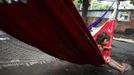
x=53, y=26
x=107, y=27
x=98, y=20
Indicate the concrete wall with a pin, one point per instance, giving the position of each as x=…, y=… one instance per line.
x=121, y=26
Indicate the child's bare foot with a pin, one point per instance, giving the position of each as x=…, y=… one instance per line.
x=126, y=68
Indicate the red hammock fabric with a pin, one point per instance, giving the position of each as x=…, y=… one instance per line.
x=109, y=28
x=53, y=26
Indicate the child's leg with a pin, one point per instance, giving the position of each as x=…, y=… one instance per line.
x=118, y=64
x=115, y=66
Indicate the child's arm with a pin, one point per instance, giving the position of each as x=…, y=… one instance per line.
x=108, y=48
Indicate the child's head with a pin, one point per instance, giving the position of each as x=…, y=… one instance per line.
x=102, y=38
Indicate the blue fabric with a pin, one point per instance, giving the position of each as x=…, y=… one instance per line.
x=98, y=20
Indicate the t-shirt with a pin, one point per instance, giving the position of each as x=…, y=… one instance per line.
x=105, y=51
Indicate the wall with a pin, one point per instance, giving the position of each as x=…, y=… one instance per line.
x=121, y=25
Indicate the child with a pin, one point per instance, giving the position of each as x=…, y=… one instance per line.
x=102, y=40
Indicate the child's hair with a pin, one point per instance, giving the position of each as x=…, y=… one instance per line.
x=101, y=37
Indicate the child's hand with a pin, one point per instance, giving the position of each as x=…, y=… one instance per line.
x=109, y=48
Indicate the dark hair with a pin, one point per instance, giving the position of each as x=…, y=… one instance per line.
x=101, y=37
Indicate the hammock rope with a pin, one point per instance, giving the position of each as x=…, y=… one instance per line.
x=108, y=27
x=98, y=20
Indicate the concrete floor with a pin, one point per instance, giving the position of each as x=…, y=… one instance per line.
x=13, y=50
